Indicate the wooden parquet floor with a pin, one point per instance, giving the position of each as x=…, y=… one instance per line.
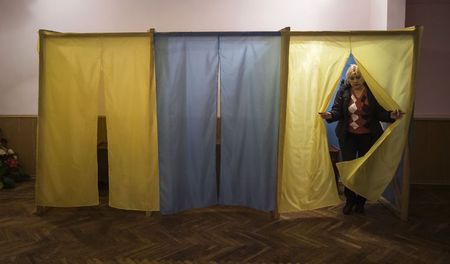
x=223, y=234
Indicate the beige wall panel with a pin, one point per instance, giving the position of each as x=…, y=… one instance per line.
x=430, y=149
x=21, y=135
x=430, y=152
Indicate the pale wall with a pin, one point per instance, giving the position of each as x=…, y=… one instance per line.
x=433, y=78
x=21, y=19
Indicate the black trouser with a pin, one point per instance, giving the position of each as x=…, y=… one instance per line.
x=354, y=146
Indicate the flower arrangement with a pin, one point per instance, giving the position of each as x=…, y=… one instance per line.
x=10, y=170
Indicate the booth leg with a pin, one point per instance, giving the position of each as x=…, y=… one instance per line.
x=274, y=215
x=40, y=210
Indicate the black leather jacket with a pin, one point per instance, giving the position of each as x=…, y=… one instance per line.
x=339, y=113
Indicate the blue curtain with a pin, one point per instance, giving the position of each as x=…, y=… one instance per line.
x=333, y=141
x=249, y=83
x=186, y=76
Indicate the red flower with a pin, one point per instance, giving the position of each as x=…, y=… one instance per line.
x=12, y=163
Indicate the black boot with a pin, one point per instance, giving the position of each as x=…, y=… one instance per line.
x=359, y=209
x=360, y=201
x=350, y=197
x=348, y=207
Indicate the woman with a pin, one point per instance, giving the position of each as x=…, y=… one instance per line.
x=358, y=114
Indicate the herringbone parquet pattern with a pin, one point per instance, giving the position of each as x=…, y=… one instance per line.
x=219, y=235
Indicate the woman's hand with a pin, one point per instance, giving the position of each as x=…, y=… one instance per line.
x=325, y=115
x=397, y=114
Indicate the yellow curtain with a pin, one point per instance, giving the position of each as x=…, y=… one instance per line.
x=307, y=178
x=130, y=105
x=386, y=62
x=67, y=125
x=72, y=68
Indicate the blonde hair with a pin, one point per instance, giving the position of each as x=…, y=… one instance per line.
x=353, y=69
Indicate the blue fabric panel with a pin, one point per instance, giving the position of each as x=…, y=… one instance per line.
x=389, y=193
x=249, y=83
x=186, y=83
x=333, y=141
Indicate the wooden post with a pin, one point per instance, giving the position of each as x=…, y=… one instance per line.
x=285, y=37
x=404, y=199
x=40, y=210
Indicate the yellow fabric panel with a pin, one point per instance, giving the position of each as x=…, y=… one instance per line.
x=386, y=63
x=130, y=105
x=67, y=125
x=315, y=65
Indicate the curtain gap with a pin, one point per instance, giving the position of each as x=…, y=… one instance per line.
x=102, y=132
x=218, y=124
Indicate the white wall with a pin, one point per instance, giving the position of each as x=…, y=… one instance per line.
x=396, y=10
x=378, y=14
x=21, y=19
